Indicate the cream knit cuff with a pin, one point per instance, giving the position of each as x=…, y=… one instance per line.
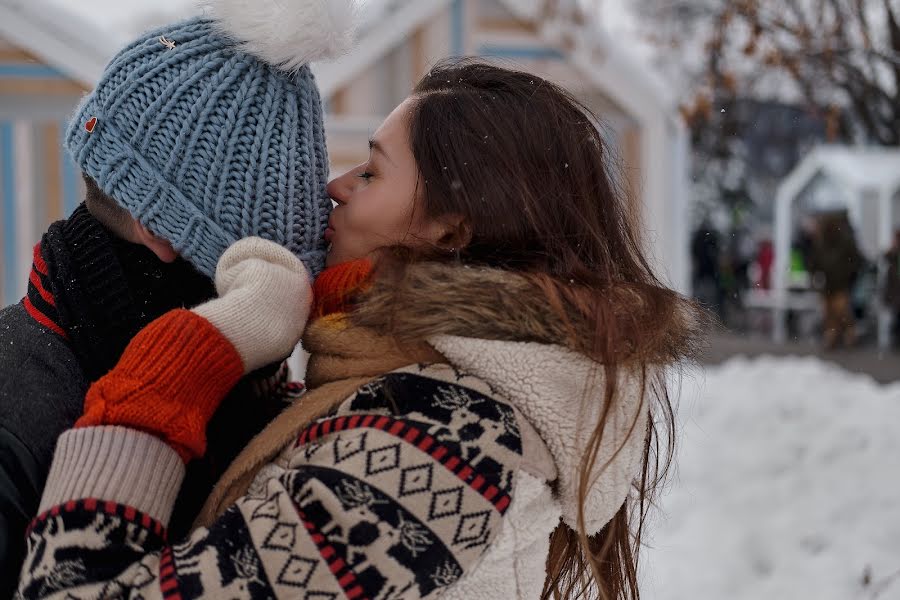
x=118, y=465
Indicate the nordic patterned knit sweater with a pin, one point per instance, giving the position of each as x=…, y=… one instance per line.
x=413, y=470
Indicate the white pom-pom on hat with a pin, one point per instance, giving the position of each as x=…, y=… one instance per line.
x=288, y=33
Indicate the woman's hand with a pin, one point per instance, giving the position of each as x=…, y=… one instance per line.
x=177, y=370
x=264, y=301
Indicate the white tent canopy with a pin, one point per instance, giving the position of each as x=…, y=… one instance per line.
x=868, y=179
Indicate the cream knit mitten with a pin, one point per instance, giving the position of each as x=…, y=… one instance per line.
x=265, y=295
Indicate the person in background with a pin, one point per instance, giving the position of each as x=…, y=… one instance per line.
x=890, y=293
x=706, y=255
x=805, y=240
x=765, y=260
x=187, y=144
x=836, y=261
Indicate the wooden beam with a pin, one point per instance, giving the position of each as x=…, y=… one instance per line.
x=630, y=151
x=339, y=102
x=16, y=55
x=417, y=50
x=54, y=87
x=496, y=25
x=52, y=169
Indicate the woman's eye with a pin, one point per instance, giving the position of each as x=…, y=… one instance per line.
x=365, y=175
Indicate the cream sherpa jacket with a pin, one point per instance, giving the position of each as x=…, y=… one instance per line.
x=555, y=391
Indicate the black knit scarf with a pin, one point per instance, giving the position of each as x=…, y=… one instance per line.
x=107, y=289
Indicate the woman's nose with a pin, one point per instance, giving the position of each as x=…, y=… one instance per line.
x=338, y=189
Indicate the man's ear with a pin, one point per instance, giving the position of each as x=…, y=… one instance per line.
x=160, y=247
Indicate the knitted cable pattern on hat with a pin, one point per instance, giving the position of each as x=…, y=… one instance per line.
x=206, y=144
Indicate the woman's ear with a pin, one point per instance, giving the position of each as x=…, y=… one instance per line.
x=161, y=248
x=454, y=232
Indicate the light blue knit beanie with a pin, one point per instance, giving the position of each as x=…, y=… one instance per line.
x=211, y=130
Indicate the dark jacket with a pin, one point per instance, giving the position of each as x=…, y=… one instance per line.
x=41, y=394
x=836, y=256
x=891, y=291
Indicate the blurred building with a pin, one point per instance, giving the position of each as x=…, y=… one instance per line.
x=47, y=62
x=51, y=54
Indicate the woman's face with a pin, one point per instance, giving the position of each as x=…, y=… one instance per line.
x=376, y=201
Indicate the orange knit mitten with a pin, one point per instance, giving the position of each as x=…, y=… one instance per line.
x=168, y=382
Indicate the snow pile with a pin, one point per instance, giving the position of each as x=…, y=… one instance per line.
x=788, y=486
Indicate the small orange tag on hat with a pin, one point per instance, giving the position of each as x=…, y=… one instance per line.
x=90, y=125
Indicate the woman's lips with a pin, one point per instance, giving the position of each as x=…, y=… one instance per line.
x=329, y=233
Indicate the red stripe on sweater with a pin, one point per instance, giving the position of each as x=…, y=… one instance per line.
x=347, y=579
x=113, y=509
x=168, y=577
x=39, y=263
x=35, y=280
x=43, y=319
x=355, y=593
x=344, y=574
x=410, y=434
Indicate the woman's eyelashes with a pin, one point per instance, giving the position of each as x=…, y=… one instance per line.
x=366, y=175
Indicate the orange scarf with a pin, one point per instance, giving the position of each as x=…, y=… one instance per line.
x=336, y=286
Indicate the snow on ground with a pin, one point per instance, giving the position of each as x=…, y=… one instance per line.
x=788, y=487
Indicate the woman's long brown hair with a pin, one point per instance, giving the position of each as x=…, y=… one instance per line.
x=525, y=166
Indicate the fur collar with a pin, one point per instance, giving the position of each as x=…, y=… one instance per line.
x=433, y=299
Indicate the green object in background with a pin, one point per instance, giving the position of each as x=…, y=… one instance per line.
x=797, y=264
x=799, y=278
